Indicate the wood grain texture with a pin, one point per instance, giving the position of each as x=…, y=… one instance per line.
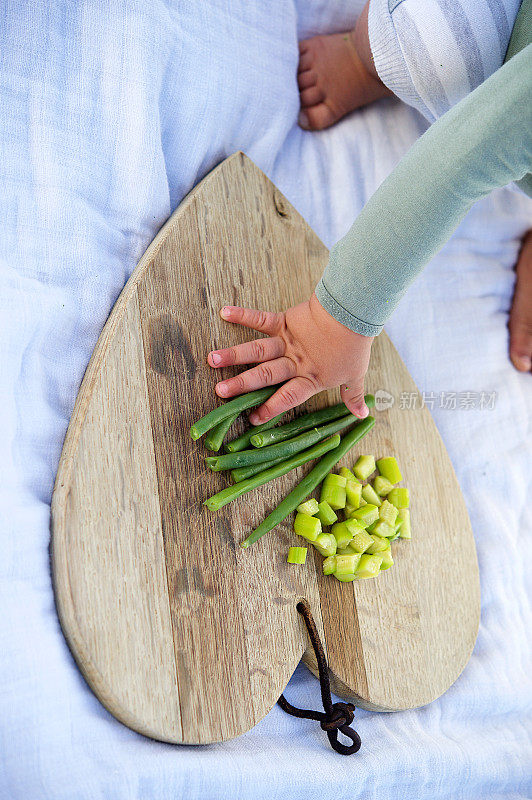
x=183, y=635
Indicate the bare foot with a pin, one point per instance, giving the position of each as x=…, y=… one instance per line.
x=333, y=79
x=520, y=323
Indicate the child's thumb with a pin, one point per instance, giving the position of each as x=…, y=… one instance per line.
x=353, y=396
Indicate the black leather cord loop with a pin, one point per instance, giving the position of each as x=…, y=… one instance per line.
x=336, y=716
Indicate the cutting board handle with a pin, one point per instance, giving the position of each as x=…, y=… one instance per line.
x=336, y=716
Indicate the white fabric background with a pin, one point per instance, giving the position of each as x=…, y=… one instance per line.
x=109, y=114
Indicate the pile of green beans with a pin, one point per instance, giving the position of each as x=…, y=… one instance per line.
x=232, y=492
x=283, y=449
x=298, y=425
x=276, y=450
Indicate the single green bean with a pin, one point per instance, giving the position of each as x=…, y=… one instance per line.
x=309, y=483
x=232, y=492
x=239, y=404
x=215, y=437
x=241, y=442
x=289, y=448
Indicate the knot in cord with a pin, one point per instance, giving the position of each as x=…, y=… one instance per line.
x=342, y=714
x=335, y=716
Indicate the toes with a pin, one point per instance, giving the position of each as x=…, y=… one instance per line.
x=306, y=79
x=521, y=363
x=316, y=118
x=521, y=344
x=311, y=96
x=305, y=61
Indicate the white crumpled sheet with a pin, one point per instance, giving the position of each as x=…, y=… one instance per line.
x=110, y=113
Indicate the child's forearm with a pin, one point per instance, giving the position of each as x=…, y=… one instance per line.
x=482, y=143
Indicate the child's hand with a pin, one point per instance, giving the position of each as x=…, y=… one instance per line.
x=307, y=348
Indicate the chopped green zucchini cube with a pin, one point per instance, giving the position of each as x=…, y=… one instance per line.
x=354, y=525
x=360, y=541
x=332, y=479
x=332, y=492
x=382, y=485
x=364, y=466
x=329, y=565
x=399, y=497
x=353, y=491
x=325, y=544
x=348, y=475
x=370, y=495
x=309, y=507
x=341, y=533
x=389, y=468
x=297, y=555
x=381, y=528
x=378, y=544
x=366, y=514
x=325, y=514
x=368, y=566
x=397, y=528
x=387, y=560
x=345, y=578
x=405, y=530
x=346, y=565
x=348, y=510
x=388, y=513
x=346, y=551
x=308, y=527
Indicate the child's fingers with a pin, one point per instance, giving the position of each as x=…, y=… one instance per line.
x=248, y=353
x=353, y=397
x=263, y=321
x=267, y=374
x=288, y=396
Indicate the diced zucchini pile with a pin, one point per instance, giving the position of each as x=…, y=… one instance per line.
x=353, y=524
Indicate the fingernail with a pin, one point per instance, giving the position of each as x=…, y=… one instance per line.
x=215, y=358
x=225, y=312
x=302, y=120
x=255, y=419
x=362, y=412
x=221, y=388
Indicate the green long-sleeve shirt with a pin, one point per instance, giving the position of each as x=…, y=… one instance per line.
x=482, y=143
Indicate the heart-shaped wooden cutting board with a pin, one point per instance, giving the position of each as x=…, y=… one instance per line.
x=181, y=634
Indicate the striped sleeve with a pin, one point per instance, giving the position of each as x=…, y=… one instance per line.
x=432, y=53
